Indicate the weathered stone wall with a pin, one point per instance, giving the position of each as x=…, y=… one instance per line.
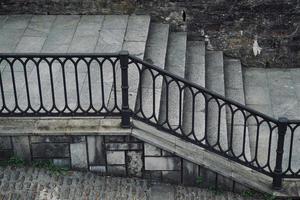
x=114, y=155
x=232, y=25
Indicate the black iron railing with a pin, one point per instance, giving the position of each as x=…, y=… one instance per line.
x=123, y=85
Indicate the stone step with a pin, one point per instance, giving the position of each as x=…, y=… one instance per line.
x=238, y=137
x=214, y=81
x=274, y=93
x=195, y=72
x=171, y=101
x=155, y=53
x=135, y=43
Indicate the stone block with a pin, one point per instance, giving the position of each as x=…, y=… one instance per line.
x=239, y=188
x=153, y=175
x=50, y=150
x=64, y=162
x=5, y=154
x=189, y=173
x=30, y=44
x=257, y=95
x=78, y=139
x=135, y=163
x=96, y=150
x=78, y=156
x=114, y=139
x=166, y=153
x=208, y=178
x=224, y=184
x=150, y=150
x=124, y=146
x=116, y=170
x=135, y=48
x=98, y=169
x=21, y=147
x=162, y=163
x=171, y=177
x=115, y=157
x=114, y=22
x=50, y=139
x=5, y=143
x=84, y=44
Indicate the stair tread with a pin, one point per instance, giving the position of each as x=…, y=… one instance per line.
x=195, y=72
x=234, y=89
x=214, y=80
x=155, y=53
x=175, y=63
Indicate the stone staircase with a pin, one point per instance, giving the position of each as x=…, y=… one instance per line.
x=156, y=44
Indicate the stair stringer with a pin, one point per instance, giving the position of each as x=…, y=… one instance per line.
x=200, y=156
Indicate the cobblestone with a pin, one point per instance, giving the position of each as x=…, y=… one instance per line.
x=32, y=184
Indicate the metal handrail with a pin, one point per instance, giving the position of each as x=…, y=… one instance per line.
x=120, y=65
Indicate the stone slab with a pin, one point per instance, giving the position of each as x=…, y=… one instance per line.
x=162, y=163
x=29, y=44
x=175, y=63
x=5, y=143
x=50, y=150
x=137, y=28
x=79, y=156
x=21, y=148
x=115, y=157
x=135, y=163
x=96, y=147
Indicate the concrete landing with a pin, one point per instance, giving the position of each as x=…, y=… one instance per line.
x=275, y=92
x=67, y=34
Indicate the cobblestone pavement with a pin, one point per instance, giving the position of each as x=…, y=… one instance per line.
x=34, y=183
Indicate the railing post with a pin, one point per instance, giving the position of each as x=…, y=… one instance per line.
x=277, y=178
x=125, y=106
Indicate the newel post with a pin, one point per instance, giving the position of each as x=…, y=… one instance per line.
x=125, y=106
x=277, y=178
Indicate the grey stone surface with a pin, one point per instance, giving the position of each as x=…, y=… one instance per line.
x=78, y=155
x=214, y=80
x=115, y=157
x=21, y=147
x=136, y=48
x=124, y=146
x=95, y=146
x=51, y=139
x=175, y=63
x=162, y=163
x=116, y=170
x=5, y=143
x=65, y=162
x=195, y=72
x=137, y=28
x=150, y=150
x=6, y=154
x=135, y=163
x=234, y=89
x=30, y=44
x=50, y=150
x=190, y=173
x=155, y=52
x=273, y=92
